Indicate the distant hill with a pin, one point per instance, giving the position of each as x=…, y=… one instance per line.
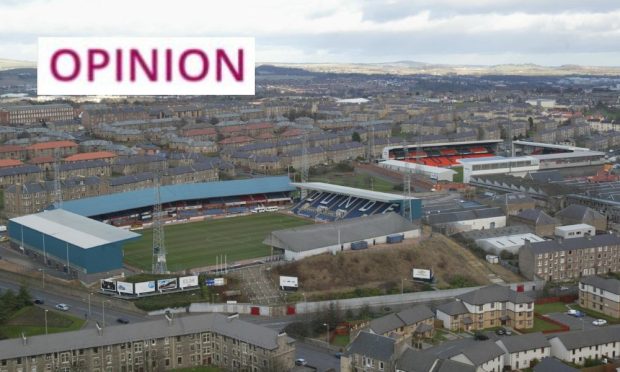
x=8, y=64
x=413, y=67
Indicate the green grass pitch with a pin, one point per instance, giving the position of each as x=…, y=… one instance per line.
x=197, y=244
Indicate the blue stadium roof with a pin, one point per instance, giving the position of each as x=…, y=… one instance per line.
x=112, y=203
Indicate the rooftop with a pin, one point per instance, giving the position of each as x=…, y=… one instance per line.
x=74, y=229
x=104, y=204
x=305, y=238
x=345, y=190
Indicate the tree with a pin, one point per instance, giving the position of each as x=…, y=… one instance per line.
x=531, y=122
x=213, y=120
x=356, y=137
x=23, y=297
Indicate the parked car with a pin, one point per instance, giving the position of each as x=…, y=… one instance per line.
x=38, y=301
x=599, y=322
x=122, y=321
x=479, y=336
x=575, y=313
x=500, y=331
x=62, y=307
x=300, y=362
x=338, y=355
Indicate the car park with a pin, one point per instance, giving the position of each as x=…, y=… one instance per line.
x=599, y=322
x=62, y=307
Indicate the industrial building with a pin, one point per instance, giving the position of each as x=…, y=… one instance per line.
x=509, y=243
x=69, y=242
x=358, y=233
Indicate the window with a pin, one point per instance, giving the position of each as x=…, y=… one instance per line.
x=180, y=360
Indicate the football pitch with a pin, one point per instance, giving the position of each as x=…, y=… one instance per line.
x=197, y=244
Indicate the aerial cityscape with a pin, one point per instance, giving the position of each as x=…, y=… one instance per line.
x=413, y=186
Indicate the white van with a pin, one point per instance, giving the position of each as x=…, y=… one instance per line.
x=271, y=209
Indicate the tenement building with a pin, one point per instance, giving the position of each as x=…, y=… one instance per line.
x=568, y=259
x=209, y=339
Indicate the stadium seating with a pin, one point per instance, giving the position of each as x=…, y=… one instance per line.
x=327, y=206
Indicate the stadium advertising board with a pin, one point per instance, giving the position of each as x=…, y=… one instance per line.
x=124, y=287
x=108, y=285
x=422, y=274
x=217, y=282
x=145, y=287
x=289, y=282
x=166, y=284
x=188, y=281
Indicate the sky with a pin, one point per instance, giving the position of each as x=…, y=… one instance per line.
x=478, y=32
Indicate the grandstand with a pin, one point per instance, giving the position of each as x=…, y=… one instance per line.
x=441, y=154
x=326, y=202
x=186, y=201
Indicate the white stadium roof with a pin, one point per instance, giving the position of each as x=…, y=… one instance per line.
x=416, y=166
x=360, y=193
x=74, y=229
x=550, y=145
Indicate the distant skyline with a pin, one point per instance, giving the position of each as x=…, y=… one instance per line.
x=474, y=32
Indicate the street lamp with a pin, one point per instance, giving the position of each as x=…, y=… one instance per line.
x=46, y=320
x=327, y=325
x=89, y=313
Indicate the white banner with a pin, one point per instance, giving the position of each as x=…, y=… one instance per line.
x=131, y=66
x=422, y=274
x=144, y=287
x=289, y=281
x=124, y=287
x=188, y=281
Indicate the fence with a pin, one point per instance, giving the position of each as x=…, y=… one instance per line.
x=561, y=326
x=565, y=299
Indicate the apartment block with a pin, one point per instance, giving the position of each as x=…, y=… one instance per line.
x=600, y=294
x=569, y=259
x=487, y=307
x=158, y=345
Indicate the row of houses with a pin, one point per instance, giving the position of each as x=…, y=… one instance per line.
x=391, y=343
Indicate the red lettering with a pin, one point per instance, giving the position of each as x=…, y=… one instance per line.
x=76, y=64
x=168, y=64
x=135, y=56
x=119, y=65
x=221, y=56
x=183, y=69
x=92, y=65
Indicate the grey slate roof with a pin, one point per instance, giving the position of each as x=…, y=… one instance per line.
x=549, y=364
x=22, y=169
x=576, y=212
x=574, y=243
x=310, y=237
x=610, y=285
x=453, y=308
x=537, y=216
x=524, y=342
x=590, y=337
x=415, y=361
x=512, y=198
x=466, y=215
x=478, y=352
x=403, y=318
x=235, y=328
x=373, y=346
x=494, y=293
x=449, y=365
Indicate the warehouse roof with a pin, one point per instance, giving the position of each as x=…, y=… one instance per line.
x=344, y=190
x=306, y=238
x=104, y=204
x=74, y=229
x=251, y=333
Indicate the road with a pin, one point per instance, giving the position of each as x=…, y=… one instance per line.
x=78, y=306
x=320, y=358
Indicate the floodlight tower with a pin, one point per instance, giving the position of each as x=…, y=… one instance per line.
x=304, y=163
x=159, y=247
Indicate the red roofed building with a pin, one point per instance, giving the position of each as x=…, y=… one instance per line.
x=13, y=152
x=64, y=148
x=8, y=163
x=236, y=141
x=292, y=133
x=252, y=129
x=202, y=134
x=44, y=162
x=97, y=155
